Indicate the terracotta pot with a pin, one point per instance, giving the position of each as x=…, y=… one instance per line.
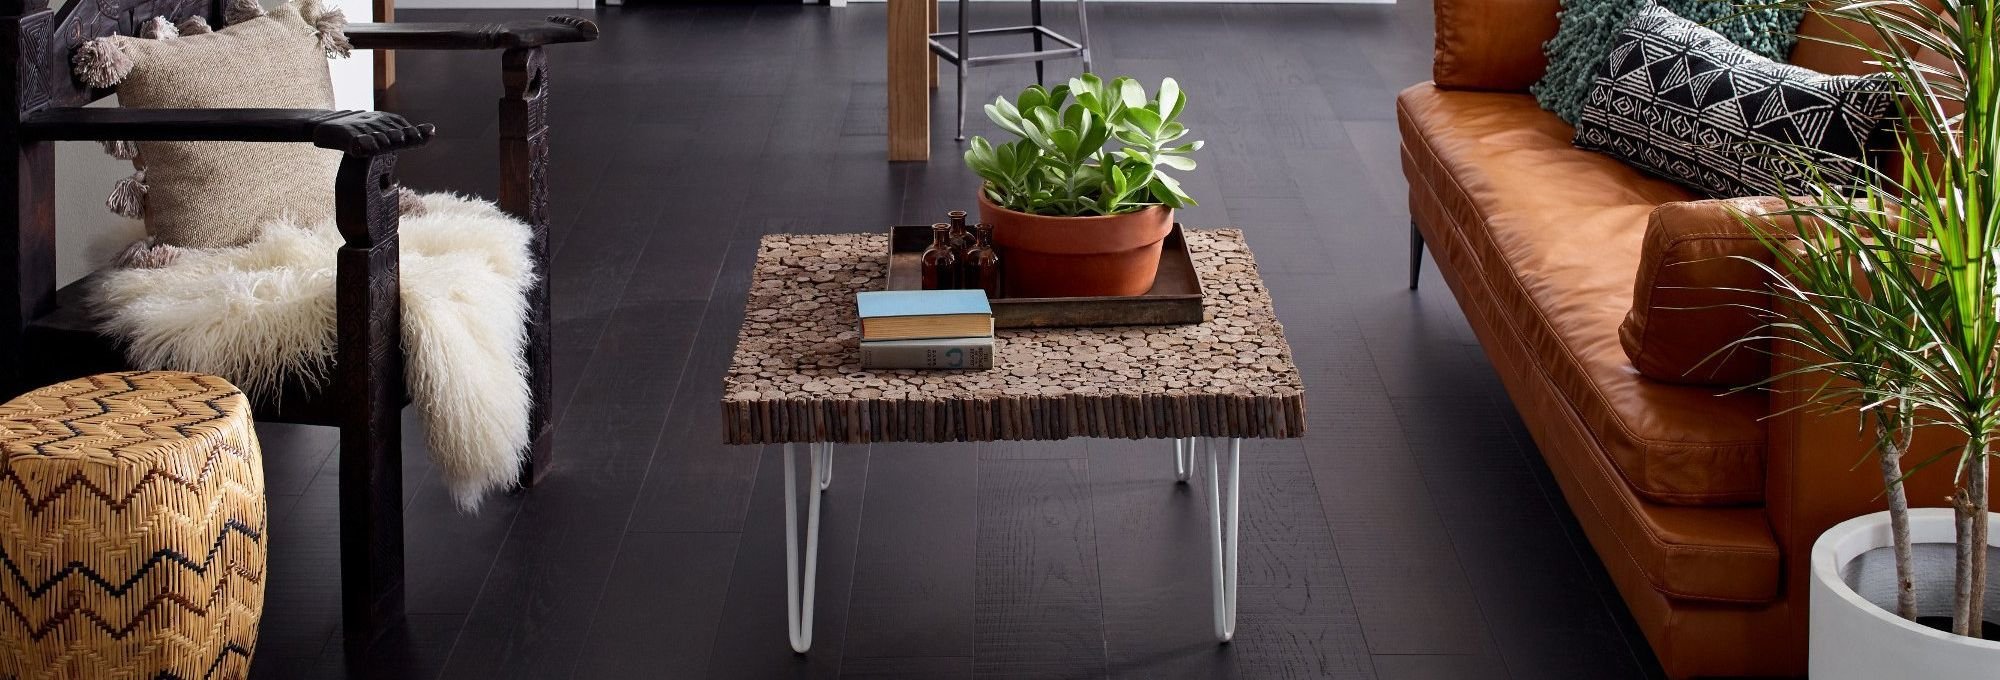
x=1077, y=256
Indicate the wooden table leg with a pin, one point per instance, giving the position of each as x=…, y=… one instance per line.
x=931, y=11
x=909, y=86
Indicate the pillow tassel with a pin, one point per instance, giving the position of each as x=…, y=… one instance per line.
x=121, y=150
x=101, y=62
x=194, y=25
x=158, y=28
x=146, y=253
x=238, y=11
x=332, y=29
x=128, y=196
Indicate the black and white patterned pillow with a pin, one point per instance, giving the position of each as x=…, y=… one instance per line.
x=1682, y=102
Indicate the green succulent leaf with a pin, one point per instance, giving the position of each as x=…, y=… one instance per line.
x=1167, y=194
x=1133, y=137
x=1146, y=121
x=1003, y=114
x=1058, y=95
x=1171, y=100
x=1032, y=97
x=1064, y=141
x=1130, y=93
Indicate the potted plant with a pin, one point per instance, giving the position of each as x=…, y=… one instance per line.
x=1078, y=202
x=1889, y=285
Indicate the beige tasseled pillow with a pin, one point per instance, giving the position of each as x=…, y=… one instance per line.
x=214, y=194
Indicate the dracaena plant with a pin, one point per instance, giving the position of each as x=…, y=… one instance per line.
x=1087, y=147
x=1887, y=284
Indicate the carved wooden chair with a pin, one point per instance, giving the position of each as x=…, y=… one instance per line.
x=48, y=336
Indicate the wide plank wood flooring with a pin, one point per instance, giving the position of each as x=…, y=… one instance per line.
x=1415, y=534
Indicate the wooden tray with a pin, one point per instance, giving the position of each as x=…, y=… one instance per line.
x=1176, y=297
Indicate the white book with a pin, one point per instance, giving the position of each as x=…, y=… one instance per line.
x=940, y=353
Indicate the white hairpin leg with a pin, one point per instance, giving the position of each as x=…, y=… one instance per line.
x=799, y=606
x=1183, y=458
x=825, y=465
x=1223, y=556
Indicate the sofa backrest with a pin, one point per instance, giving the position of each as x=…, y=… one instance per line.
x=1497, y=44
x=1492, y=44
x=1815, y=53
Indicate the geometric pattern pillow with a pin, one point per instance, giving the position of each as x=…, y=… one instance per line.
x=1586, y=29
x=1682, y=102
x=209, y=194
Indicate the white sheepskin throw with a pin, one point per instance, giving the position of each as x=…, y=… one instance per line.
x=264, y=311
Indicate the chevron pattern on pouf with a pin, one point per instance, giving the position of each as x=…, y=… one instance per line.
x=131, y=529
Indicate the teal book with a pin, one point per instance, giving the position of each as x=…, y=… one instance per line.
x=924, y=314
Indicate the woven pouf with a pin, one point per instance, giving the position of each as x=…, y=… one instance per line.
x=131, y=529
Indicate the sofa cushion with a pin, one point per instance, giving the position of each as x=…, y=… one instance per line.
x=209, y=194
x=1681, y=101
x=1589, y=27
x=1561, y=256
x=1699, y=292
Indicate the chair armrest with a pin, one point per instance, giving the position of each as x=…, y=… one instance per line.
x=364, y=133
x=471, y=36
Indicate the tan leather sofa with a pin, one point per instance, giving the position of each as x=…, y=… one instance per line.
x=1703, y=507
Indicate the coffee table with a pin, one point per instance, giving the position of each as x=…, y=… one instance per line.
x=796, y=379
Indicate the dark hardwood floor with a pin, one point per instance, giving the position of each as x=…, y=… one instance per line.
x=1415, y=534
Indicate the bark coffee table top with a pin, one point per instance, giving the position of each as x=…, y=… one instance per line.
x=796, y=375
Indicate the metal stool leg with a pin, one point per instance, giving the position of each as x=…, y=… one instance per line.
x=798, y=605
x=964, y=7
x=1223, y=557
x=1035, y=19
x=1083, y=33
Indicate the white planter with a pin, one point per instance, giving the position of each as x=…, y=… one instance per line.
x=1855, y=630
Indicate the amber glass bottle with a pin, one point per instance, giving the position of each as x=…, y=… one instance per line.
x=982, y=263
x=941, y=270
x=962, y=238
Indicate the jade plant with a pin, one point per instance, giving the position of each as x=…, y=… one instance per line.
x=1086, y=148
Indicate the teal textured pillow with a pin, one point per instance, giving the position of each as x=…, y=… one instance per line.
x=1588, y=27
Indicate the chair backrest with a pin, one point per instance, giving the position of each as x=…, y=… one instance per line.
x=36, y=45
x=79, y=21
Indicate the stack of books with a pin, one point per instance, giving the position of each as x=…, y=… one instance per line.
x=945, y=329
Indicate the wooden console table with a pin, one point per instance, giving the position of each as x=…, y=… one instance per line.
x=796, y=379
x=912, y=74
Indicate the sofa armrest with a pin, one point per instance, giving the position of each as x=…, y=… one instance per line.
x=1697, y=294
x=1492, y=44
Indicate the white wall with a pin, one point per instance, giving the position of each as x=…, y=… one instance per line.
x=87, y=234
